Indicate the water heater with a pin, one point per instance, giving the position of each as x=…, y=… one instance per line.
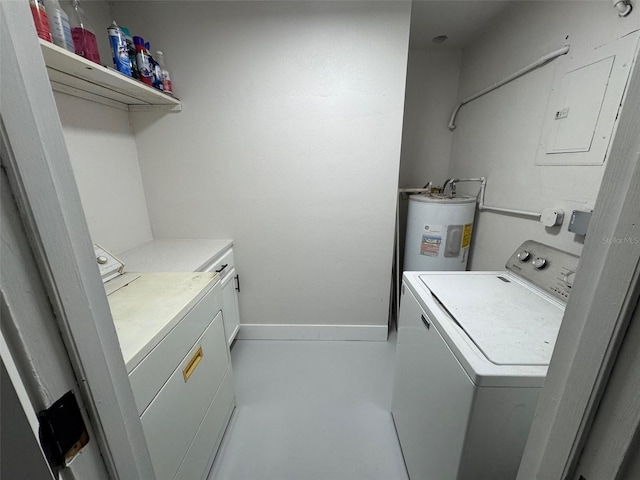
x=438, y=233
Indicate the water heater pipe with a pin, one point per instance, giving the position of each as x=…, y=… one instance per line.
x=538, y=63
x=483, y=207
x=416, y=190
x=451, y=183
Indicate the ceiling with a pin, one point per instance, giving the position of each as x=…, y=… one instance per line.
x=460, y=20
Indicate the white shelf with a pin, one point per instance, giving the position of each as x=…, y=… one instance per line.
x=74, y=75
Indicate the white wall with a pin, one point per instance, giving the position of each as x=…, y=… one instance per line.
x=431, y=94
x=497, y=134
x=104, y=158
x=289, y=143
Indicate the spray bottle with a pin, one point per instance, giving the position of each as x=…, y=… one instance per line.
x=133, y=63
x=166, y=78
x=156, y=82
x=119, y=50
x=144, y=61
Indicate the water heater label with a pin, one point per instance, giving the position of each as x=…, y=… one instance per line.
x=431, y=240
x=466, y=235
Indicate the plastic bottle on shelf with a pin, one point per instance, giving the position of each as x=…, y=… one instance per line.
x=40, y=19
x=166, y=78
x=119, y=50
x=144, y=61
x=156, y=81
x=132, y=53
x=84, y=38
x=59, y=25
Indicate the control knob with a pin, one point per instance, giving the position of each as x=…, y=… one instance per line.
x=523, y=256
x=539, y=263
x=569, y=278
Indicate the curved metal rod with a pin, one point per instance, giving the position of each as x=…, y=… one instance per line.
x=538, y=63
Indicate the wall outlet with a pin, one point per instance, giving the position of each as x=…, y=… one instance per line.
x=579, y=223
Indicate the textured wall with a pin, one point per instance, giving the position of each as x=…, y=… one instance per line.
x=289, y=143
x=497, y=135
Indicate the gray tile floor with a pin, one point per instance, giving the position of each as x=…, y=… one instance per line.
x=311, y=410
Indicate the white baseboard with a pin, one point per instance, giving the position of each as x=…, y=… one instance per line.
x=375, y=333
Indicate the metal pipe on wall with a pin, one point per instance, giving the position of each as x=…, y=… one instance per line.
x=483, y=207
x=451, y=182
x=538, y=63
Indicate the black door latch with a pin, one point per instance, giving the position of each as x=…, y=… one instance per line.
x=62, y=431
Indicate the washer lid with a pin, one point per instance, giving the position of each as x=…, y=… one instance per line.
x=509, y=322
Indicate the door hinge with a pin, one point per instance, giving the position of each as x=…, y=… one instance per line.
x=62, y=431
x=402, y=289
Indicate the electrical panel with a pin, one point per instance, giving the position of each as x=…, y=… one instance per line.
x=582, y=93
x=584, y=103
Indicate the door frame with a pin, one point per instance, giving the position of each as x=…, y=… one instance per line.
x=611, y=449
x=43, y=184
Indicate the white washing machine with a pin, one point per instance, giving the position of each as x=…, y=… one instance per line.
x=472, y=354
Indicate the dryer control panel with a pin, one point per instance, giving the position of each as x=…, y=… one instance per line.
x=547, y=267
x=110, y=266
